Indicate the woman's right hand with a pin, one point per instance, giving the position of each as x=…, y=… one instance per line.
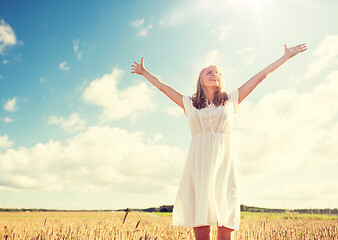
x=138, y=68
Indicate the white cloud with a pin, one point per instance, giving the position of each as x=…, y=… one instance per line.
x=72, y=124
x=222, y=32
x=10, y=105
x=285, y=140
x=166, y=22
x=287, y=129
x=157, y=137
x=5, y=142
x=42, y=79
x=299, y=191
x=247, y=55
x=245, y=50
x=174, y=111
x=63, y=66
x=137, y=22
x=100, y=158
x=325, y=56
x=200, y=10
x=0, y=76
x=5, y=61
x=7, y=119
x=247, y=60
x=118, y=104
x=321, y=193
x=7, y=36
x=214, y=57
x=143, y=31
x=294, y=80
x=76, y=49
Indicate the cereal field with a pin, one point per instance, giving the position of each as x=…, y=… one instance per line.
x=142, y=225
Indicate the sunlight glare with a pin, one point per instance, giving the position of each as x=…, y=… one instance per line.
x=257, y=5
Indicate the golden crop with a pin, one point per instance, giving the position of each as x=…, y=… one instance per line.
x=142, y=225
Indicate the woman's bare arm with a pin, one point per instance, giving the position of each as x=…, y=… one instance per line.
x=162, y=86
x=252, y=83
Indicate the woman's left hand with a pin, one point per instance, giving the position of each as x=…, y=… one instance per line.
x=292, y=51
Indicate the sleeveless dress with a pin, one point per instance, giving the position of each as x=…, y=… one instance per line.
x=208, y=193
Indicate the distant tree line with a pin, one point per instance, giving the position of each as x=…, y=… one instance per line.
x=245, y=208
x=318, y=211
x=169, y=208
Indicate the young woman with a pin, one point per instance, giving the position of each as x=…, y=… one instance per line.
x=208, y=193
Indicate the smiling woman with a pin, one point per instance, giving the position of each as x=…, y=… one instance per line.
x=72, y=139
x=210, y=88
x=208, y=192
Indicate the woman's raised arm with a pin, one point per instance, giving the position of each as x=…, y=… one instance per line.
x=163, y=87
x=252, y=83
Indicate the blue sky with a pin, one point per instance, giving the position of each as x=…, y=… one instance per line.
x=78, y=130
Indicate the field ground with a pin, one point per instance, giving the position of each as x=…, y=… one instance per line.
x=156, y=226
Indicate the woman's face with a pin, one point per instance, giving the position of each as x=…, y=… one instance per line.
x=211, y=77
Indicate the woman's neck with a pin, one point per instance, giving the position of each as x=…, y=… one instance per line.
x=209, y=94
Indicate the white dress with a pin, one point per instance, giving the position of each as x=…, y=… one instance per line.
x=208, y=193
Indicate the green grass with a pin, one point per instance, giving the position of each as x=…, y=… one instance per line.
x=263, y=215
x=286, y=215
x=163, y=214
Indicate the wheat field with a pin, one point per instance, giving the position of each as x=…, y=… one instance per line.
x=143, y=225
